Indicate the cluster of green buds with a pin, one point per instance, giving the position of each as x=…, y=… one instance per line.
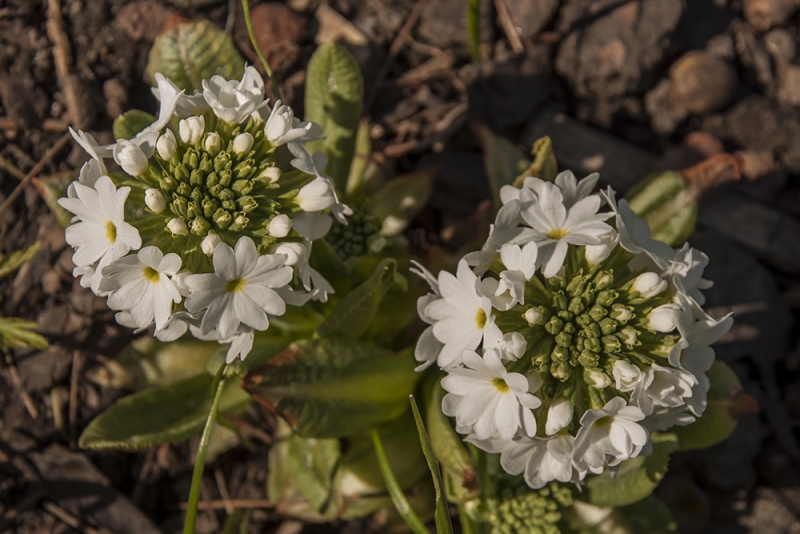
x=524, y=511
x=361, y=236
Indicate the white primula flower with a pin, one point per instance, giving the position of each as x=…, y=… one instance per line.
x=662, y=319
x=185, y=105
x=520, y=263
x=484, y=396
x=241, y=290
x=233, y=101
x=511, y=346
x=462, y=315
x=559, y=416
x=428, y=347
x=89, y=144
x=315, y=165
x=502, y=231
x=141, y=285
x=612, y=430
x=282, y=127
x=627, y=376
x=685, y=273
x=102, y=233
x=315, y=195
x=541, y=460
x=649, y=284
x=634, y=233
x=663, y=387
x=554, y=226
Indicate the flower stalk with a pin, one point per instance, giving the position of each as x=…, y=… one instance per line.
x=251, y=32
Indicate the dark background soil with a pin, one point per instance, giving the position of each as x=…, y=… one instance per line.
x=609, y=80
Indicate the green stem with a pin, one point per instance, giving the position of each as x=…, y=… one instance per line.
x=252, y=33
x=200, y=459
x=395, y=491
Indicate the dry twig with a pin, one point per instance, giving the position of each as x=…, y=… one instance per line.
x=446, y=127
x=236, y=503
x=508, y=26
x=73, y=396
x=17, y=381
x=62, y=57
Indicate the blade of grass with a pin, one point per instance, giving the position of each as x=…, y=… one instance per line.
x=473, y=30
x=442, y=515
x=395, y=491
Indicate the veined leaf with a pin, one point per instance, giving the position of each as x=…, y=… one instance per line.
x=352, y=315
x=194, y=51
x=726, y=401
x=397, y=202
x=354, y=190
x=502, y=159
x=334, y=386
x=636, y=478
x=130, y=123
x=18, y=333
x=17, y=259
x=160, y=414
x=334, y=96
x=461, y=478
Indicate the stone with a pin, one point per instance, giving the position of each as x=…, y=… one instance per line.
x=530, y=16
x=702, y=82
x=444, y=24
x=788, y=92
x=765, y=14
x=665, y=116
x=279, y=32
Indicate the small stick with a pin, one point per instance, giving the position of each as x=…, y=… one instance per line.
x=62, y=55
x=236, y=503
x=260, y=53
x=61, y=143
x=149, y=461
x=17, y=381
x=12, y=169
x=223, y=489
x=446, y=127
x=249, y=430
x=73, y=395
x=69, y=519
x=397, y=46
x=508, y=26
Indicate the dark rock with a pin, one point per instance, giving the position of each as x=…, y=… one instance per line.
x=615, y=52
x=765, y=14
x=461, y=182
x=702, y=82
x=665, y=116
x=755, y=58
x=279, y=31
x=507, y=94
x=381, y=21
x=754, y=123
x=788, y=92
x=43, y=370
x=722, y=46
x=531, y=16
x=781, y=46
x=444, y=24
x=702, y=21
x=143, y=19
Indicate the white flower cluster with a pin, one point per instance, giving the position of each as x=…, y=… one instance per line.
x=205, y=232
x=567, y=340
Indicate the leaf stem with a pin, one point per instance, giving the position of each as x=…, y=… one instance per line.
x=200, y=459
x=260, y=53
x=395, y=491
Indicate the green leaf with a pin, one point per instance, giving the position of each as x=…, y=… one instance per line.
x=160, y=414
x=302, y=475
x=51, y=188
x=192, y=52
x=544, y=164
x=334, y=386
x=17, y=259
x=399, y=201
x=473, y=29
x=352, y=315
x=354, y=190
x=636, y=478
x=130, y=123
x=442, y=514
x=237, y=522
x=396, y=492
x=725, y=401
x=502, y=159
x=461, y=478
x=325, y=260
x=648, y=515
x=18, y=334
x=334, y=95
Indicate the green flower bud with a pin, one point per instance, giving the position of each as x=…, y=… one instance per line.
x=179, y=206
x=226, y=194
x=209, y=207
x=608, y=326
x=222, y=218
x=554, y=325
x=592, y=344
x=559, y=354
x=607, y=297
x=239, y=222
x=563, y=339
x=212, y=179
x=192, y=209
x=229, y=205
x=247, y=203
x=184, y=189
x=199, y=226
x=621, y=313
x=222, y=162
x=611, y=344
x=560, y=371
x=242, y=187
x=225, y=177
x=597, y=313
x=196, y=178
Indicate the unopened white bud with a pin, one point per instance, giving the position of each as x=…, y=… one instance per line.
x=316, y=195
x=533, y=316
x=293, y=251
x=155, y=200
x=598, y=379
x=628, y=335
x=166, y=145
x=192, y=129
x=213, y=143
x=130, y=157
x=280, y=226
x=210, y=243
x=596, y=254
x=662, y=319
x=270, y=174
x=626, y=375
x=242, y=143
x=177, y=227
x=559, y=416
x=649, y=284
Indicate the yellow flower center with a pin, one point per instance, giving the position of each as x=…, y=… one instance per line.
x=151, y=274
x=603, y=421
x=500, y=384
x=237, y=284
x=557, y=233
x=480, y=318
x=111, y=232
